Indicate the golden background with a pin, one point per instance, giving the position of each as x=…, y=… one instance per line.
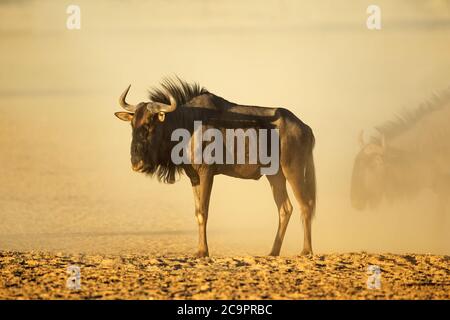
x=65, y=175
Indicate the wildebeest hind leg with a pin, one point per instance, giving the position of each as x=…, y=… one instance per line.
x=305, y=194
x=278, y=185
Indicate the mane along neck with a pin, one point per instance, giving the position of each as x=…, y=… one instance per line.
x=179, y=89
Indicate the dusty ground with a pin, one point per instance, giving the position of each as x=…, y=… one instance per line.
x=66, y=184
x=39, y=275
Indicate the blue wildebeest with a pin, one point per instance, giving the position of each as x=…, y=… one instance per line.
x=178, y=105
x=408, y=155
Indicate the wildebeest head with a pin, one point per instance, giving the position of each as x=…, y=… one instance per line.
x=147, y=125
x=369, y=175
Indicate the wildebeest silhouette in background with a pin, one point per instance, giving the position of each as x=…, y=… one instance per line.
x=409, y=154
x=177, y=105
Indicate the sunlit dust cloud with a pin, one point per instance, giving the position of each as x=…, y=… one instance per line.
x=66, y=178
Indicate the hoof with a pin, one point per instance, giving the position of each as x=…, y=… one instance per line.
x=202, y=254
x=306, y=252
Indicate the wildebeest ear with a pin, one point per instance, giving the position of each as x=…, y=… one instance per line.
x=125, y=116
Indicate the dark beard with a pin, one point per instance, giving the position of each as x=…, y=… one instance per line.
x=165, y=171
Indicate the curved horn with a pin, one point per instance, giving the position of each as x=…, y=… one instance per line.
x=156, y=107
x=361, y=139
x=123, y=103
x=383, y=142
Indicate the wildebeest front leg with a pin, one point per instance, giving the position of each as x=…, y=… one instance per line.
x=202, y=192
x=278, y=185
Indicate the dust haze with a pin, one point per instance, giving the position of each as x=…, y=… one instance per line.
x=66, y=182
